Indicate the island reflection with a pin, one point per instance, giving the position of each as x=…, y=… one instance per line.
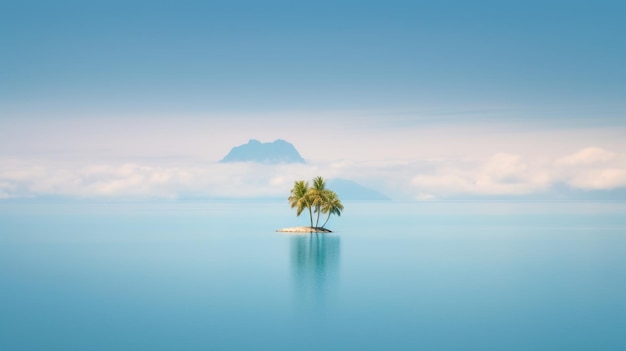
x=315, y=264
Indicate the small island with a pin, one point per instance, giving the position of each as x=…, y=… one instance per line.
x=304, y=230
x=316, y=199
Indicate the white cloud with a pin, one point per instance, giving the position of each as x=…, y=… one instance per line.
x=19, y=179
x=593, y=168
x=588, y=156
x=590, y=168
x=505, y=167
x=498, y=174
x=501, y=174
x=604, y=179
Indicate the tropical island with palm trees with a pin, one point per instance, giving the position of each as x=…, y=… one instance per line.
x=316, y=199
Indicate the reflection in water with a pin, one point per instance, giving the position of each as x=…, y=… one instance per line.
x=315, y=264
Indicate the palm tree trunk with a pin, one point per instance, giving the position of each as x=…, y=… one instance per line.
x=317, y=221
x=327, y=218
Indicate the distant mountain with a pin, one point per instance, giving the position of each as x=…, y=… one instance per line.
x=278, y=151
x=349, y=190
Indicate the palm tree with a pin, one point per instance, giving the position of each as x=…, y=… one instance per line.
x=317, y=196
x=332, y=205
x=300, y=198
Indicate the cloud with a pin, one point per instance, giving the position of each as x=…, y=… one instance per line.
x=588, y=156
x=601, y=179
x=426, y=179
x=500, y=174
x=130, y=180
x=593, y=168
x=590, y=168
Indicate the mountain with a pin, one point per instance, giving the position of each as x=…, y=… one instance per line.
x=349, y=190
x=278, y=151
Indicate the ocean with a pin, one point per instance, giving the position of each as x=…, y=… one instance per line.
x=215, y=275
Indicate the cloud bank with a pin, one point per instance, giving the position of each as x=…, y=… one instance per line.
x=590, y=168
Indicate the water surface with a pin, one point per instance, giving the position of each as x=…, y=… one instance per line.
x=401, y=276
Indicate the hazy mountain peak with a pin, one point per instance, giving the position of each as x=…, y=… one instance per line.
x=278, y=151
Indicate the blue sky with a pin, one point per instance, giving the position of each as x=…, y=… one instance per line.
x=114, y=82
x=267, y=56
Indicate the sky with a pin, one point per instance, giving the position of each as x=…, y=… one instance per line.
x=420, y=100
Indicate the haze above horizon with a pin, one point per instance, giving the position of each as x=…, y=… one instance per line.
x=423, y=100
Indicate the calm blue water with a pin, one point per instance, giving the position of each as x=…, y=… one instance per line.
x=394, y=276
